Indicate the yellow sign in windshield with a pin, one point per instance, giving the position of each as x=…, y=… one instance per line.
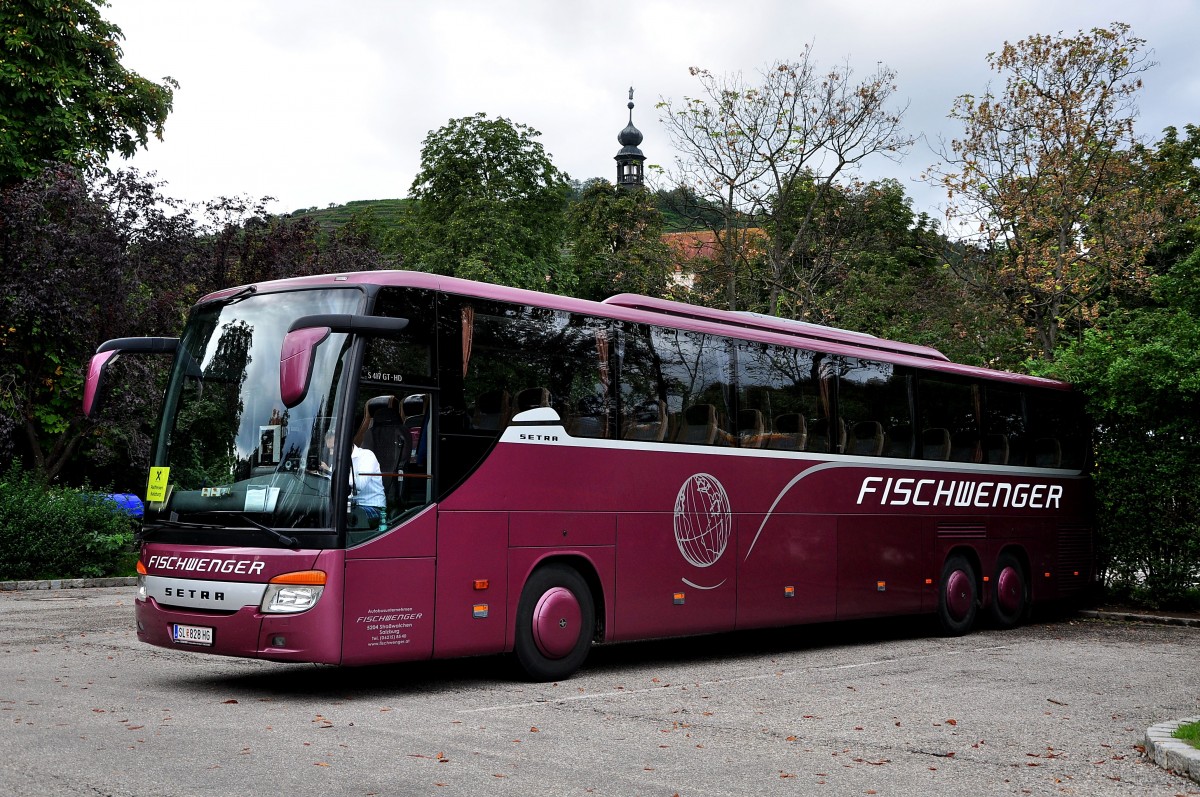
x=156, y=487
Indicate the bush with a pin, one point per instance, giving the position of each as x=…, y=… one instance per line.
x=1140, y=371
x=59, y=532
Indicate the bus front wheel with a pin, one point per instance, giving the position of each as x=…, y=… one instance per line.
x=958, y=596
x=555, y=622
x=1010, y=595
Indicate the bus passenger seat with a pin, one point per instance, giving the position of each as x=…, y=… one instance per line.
x=413, y=409
x=589, y=420
x=699, y=425
x=491, y=410
x=387, y=438
x=899, y=441
x=995, y=449
x=532, y=397
x=649, y=422
x=1047, y=452
x=822, y=433
x=791, y=432
x=868, y=439
x=935, y=444
x=750, y=429
x=964, y=447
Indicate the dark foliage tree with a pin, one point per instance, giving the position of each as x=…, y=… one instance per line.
x=615, y=242
x=489, y=206
x=64, y=95
x=64, y=288
x=1140, y=370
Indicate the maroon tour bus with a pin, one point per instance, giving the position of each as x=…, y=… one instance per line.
x=393, y=466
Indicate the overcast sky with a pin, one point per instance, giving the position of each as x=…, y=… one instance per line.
x=319, y=103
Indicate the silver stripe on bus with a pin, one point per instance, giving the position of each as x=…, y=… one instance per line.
x=558, y=436
x=191, y=593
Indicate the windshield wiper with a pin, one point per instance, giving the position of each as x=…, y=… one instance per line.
x=174, y=524
x=290, y=542
x=234, y=298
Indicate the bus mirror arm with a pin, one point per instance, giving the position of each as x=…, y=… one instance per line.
x=107, y=353
x=306, y=333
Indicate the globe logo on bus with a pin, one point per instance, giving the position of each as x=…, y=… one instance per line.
x=702, y=520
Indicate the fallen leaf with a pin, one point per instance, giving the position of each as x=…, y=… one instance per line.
x=951, y=722
x=228, y=702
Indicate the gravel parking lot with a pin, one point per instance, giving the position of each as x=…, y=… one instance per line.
x=1056, y=707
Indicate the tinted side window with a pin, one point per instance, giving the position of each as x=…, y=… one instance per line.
x=1057, y=432
x=875, y=407
x=695, y=371
x=949, y=427
x=1004, y=434
x=675, y=386
x=778, y=396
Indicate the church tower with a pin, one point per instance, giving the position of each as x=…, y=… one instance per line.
x=630, y=159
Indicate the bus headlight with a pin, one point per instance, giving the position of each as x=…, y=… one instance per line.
x=141, y=581
x=293, y=592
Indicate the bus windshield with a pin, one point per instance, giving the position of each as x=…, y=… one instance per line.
x=228, y=453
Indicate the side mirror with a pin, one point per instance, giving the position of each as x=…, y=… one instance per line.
x=107, y=353
x=304, y=335
x=296, y=362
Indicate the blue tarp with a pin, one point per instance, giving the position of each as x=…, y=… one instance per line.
x=129, y=503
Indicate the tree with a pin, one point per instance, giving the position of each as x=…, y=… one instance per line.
x=755, y=150
x=489, y=206
x=1140, y=370
x=615, y=238
x=64, y=288
x=64, y=96
x=1047, y=174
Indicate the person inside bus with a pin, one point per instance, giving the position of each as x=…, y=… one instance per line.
x=366, y=478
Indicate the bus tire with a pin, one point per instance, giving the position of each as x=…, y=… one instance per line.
x=958, y=596
x=1010, y=592
x=555, y=622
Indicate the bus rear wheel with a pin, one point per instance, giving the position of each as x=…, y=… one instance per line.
x=1010, y=595
x=555, y=622
x=958, y=596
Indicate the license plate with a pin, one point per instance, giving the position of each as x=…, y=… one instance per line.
x=193, y=634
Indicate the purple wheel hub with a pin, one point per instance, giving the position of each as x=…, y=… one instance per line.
x=1010, y=592
x=556, y=622
x=958, y=595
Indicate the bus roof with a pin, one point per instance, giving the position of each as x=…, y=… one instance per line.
x=802, y=330
x=661, y=312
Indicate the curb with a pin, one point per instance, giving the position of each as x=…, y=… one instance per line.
x=68, y=583
x=1190, y=622
x=1170, y=753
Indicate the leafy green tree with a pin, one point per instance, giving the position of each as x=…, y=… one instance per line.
x=1170, y=171
x=489, y=206
x=1140, y=369
x=615, y=239
x=64, y=95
